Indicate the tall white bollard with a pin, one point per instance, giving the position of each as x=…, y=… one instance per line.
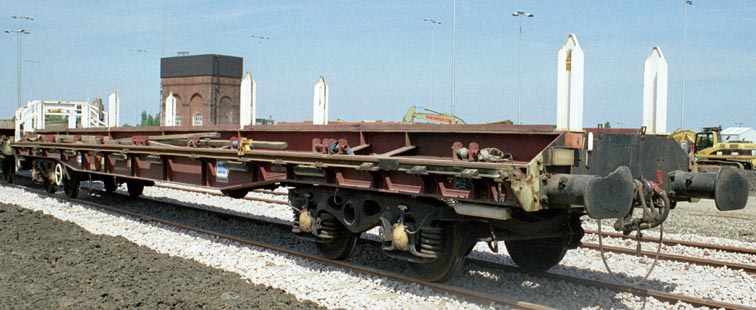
x=248, y=99
x=320, y=103
x=114, y=106
x=655, y=73
x=72, y=116
x=170, y=110
x=570, y=85
x=85, y=115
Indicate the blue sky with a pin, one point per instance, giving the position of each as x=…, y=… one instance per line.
x=375, y=55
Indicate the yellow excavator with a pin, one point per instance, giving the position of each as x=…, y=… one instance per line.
x=430, y=116
x=709, y=149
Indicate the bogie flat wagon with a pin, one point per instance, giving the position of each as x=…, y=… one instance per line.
x=433, y=191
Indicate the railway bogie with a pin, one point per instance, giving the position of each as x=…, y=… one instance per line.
x=433, y=192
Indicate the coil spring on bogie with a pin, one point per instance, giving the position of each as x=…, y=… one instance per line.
x=329, y=225
x=430, y=240
x=295, y=223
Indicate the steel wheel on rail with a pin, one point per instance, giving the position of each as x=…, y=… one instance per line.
x=9, y=170
x=110, y=185
x=58, y=174
x=235, y=193
x=71, y=185
x=537, y=255
x=135, y=188
x=343, y=243
x=50, y=186
x=450, y=261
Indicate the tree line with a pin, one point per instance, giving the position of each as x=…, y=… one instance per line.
x=147, y=119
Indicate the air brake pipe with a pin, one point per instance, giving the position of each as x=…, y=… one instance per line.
x=728, y=187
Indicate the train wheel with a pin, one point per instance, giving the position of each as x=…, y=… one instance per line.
x=538, y=254
x=343, y=243
x=449, y=263
x=58, y=174
x=9, y=170
x=71, y=185
x=50, y=186
x=135, y=189
x=110, y=184
x=235, y=193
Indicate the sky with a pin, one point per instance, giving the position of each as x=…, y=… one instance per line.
x=376, y=55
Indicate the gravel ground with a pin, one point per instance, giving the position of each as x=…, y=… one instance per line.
x=50, y=264
x=332, y=287
x=703, y=218
x=669, y=276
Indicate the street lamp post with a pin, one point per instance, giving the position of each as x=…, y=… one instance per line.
x=19, y=32
x=259, y=63
x=139, y=84
x=519, y=14
x=259, y=42
x=685, y=32
x=433, y=23
x=31, y=76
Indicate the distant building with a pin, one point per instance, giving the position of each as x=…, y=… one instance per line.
x=206, y=88
x=738, y=134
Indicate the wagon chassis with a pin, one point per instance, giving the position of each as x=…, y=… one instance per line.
x=430, y=208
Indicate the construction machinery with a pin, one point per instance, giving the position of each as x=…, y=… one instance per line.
x=430, y=116
x=709, y=149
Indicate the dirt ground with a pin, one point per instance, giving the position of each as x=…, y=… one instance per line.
x=49, y=264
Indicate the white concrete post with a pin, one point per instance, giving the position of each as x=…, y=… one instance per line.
x=72, y=115
x=570, y=85
x=40, y=114
x=19, y=119
x=170, y=110
x=114, y=106
x=655, y=73
x=248, y=104
x=85, y=115
x=320, y=103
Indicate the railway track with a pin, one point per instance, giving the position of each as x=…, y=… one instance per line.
x=440, y=287
x=464, y=293
x=665, y=256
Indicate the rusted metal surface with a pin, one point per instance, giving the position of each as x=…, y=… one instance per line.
x=422, y=160
x=508, y=182
x=527, y=186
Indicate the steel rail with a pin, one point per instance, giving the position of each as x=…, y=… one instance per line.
x=587, y=245
x=674, y=257
x=215, y=192
x=464, y=293
x=666, y=241
x=660, y=295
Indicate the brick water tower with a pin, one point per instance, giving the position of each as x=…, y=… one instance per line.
x=206, y=88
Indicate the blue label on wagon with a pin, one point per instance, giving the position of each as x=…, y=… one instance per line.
x=221, y=173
